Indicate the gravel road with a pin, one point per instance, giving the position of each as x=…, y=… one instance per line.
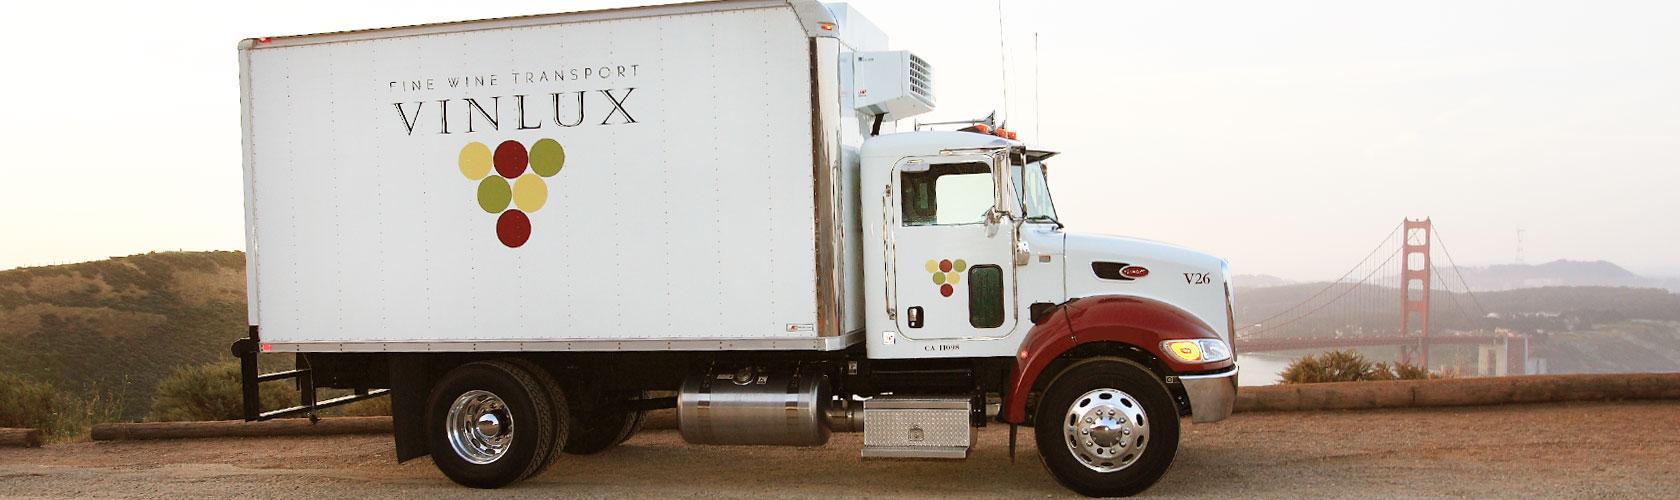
x=1592, y=450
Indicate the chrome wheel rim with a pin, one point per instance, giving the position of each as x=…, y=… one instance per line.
x=480, y=427
x=1106, y=430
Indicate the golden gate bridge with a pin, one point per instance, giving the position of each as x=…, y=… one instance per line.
x=1394, y=297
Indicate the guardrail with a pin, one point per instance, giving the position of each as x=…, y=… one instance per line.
x=1458, y=392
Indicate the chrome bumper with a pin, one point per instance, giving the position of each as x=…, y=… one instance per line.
x=1212, y=396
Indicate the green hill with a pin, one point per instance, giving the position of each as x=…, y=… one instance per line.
x=114, y=328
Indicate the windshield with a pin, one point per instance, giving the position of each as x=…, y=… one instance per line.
x=1033, y=191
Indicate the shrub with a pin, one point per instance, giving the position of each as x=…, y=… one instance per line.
x=25, y=403
x=73, y=416
x=212, y=392
x=1349, y=366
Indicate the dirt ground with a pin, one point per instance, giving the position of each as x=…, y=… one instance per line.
x=1616, y=450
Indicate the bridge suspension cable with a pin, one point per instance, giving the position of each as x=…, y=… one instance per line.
x=1362, y=265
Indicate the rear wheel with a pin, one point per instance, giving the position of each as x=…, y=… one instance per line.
x=603, y=420
x=489, y=424
x=563, y=411
x=1106, y=427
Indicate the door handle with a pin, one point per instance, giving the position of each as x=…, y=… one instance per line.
x=1023, y=254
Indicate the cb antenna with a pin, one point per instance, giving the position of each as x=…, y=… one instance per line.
x=1037, y=122
x=1003, y=61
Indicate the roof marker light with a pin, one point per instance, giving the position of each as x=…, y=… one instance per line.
x=826, y=26
x=264, y=40
x=983, y=129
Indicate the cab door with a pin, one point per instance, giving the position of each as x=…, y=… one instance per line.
x=951, y=248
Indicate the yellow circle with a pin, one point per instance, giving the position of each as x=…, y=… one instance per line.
x=530, y=192
x=953, y=277
x=1186, y=350
x=475, y=160
x=933, y=266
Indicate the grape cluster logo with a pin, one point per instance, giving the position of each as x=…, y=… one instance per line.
x=946, y=274
x=528, y=191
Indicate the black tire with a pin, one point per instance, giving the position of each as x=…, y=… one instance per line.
x=636, y=423
x=602, y=421
x=562, y=410
x=1113, y=380
x=529, y=414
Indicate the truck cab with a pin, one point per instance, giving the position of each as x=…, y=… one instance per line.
x=965, y=258
x=971, y=255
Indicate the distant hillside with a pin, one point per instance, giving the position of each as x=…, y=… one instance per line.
x=1577, y=329
x=118, y=326
x=1552, y=274
x=1376, y=309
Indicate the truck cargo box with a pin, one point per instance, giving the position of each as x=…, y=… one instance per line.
x=638, y=179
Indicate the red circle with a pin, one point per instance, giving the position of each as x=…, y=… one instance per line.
x=946, y=290
x=945, y=267
x=513, y=228
x=511, y=159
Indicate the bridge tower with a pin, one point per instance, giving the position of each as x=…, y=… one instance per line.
x=1414, y=291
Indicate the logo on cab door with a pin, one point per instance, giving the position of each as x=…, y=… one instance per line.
x=946, y=274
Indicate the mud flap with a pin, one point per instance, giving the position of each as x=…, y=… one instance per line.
x=411, y=380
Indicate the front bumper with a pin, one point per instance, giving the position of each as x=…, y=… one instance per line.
x=1212, y=396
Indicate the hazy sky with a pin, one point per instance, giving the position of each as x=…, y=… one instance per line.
x=1285, y=136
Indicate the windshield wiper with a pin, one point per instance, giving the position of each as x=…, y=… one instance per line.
x=1048, y=218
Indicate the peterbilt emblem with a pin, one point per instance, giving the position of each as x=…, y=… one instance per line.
x=1134, y=272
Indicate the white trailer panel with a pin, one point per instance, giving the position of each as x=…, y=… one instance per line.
x=683, y=216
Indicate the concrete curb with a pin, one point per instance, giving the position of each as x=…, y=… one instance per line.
x=20, y=437
x=1458, y=392
x=239, y=428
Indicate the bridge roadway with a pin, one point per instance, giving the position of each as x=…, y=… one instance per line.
x=1576, y=450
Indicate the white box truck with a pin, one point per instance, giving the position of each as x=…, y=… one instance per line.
x=531, y=231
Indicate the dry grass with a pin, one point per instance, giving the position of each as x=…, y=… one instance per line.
x=200, y=288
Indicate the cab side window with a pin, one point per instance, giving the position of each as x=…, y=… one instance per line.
x=947, y=194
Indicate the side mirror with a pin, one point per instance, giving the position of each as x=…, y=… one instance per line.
x=1000, y=178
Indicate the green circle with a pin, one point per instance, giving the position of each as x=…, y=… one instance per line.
x=938, y=278
x=494, y=194
x=547, y=157
x=959, y=266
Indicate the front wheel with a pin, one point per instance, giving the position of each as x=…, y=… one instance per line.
x=1106, y=427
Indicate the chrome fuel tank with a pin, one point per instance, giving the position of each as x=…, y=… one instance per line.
x=755, y=405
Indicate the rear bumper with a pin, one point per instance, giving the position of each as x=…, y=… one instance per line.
x=1212, y=396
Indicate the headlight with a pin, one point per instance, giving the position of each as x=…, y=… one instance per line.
x=1198, y=350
